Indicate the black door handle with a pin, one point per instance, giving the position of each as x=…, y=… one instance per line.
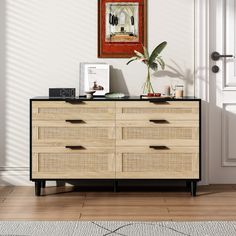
x=75, y=147
x=159, y=147
x=215, y=56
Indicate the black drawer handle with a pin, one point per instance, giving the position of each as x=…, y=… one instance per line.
x=159, y=121
x=71, y=101
x=75, y=147
x=159, y=147
x=75, y=121
x=159, y=102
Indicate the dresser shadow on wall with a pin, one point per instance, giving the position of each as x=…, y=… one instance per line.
x=2, y=87
x=117, y=81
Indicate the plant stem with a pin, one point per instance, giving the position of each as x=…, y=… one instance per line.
x=148, y=85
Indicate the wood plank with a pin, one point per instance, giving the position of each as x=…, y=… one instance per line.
x=168, y=104
x=5, y=190
x=207, y=210
x=147, y=123
x=161, y=116
x=146, y=149
x=45, y=202
x=62, y=149
x=85, y=123
x=74, y=175
x=125, y=201
x=157, y=142
x=124, y=211
x=50, y=216
x=59, y=104
x=157, y=218
x=76, y=142
x=158, y=175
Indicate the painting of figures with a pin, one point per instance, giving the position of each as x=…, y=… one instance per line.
x=122, y=21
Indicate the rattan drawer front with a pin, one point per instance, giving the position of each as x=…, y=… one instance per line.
x=54, y=110
x=45, y=133
x=167, y=135
x=159, y=133
x=83, y=165
x=59, y=133
x=174, y=163
x=166, y=110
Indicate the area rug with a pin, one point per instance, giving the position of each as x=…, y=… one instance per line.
x=109, y=228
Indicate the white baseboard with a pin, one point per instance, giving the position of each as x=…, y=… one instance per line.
x=9, y=168
x=17, y=176
x=14, y=176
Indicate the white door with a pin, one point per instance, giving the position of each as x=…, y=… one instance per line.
x=222, y=92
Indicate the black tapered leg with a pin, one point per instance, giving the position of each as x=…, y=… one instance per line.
x=115, y=185
x=43, y=184
x=193, y=188
x=188, y=186
x=37, y=188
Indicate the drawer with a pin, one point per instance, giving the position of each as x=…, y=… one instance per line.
x=145, y=110
x=62, y=133
x=52, y=163
x=145, y=163
x=172, y=133
x=62, y=110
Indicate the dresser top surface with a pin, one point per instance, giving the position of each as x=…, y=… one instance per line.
x=102, y=98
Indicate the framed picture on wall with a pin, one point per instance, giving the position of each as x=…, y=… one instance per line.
x=122, y=27
x=96, y=77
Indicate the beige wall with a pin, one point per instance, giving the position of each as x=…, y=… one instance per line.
x=43, y=42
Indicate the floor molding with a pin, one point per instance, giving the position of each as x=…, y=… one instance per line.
x=10, y=168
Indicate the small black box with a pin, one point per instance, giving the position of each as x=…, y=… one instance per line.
x=62, y=92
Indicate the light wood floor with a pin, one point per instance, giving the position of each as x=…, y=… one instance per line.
x=217, y=202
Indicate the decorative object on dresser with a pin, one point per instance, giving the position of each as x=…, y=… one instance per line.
x=106, y=138
x=179, y=91
x=89, y=94
x=115, y=95
x=94, y=77
x=152, y=62
x=167, y=90
x=62, y=92
x=122, y=27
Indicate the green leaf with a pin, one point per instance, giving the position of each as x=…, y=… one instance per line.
x=131, y=60
x=161, y=62
x=154, y=66
x=139, y=54
x=157, y=51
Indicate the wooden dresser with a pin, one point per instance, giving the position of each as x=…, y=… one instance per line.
x=129, y=138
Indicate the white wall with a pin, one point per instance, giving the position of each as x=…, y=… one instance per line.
x=42, y=43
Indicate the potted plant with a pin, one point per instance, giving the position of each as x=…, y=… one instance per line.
x=153, y=62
